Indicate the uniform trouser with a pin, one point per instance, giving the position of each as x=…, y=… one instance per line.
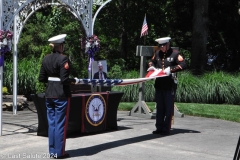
x=164, y=100
x=57, y=114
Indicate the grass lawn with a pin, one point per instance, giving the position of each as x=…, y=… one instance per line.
x=219, y=111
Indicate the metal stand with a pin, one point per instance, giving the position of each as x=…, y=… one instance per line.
x=141, y=109
x=177, y=112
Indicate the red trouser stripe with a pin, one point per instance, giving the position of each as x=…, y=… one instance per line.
x=66, y=126
x=83, y=111
x=170, y=125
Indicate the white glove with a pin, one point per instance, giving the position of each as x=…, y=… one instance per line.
x=76, y=80
x=151, y=68
x=167, y=71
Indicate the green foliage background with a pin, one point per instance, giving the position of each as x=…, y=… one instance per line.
x=118, y=26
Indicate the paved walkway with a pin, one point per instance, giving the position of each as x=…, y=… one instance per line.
x=192, y=138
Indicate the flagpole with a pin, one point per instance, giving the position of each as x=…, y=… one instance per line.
x=144, y=40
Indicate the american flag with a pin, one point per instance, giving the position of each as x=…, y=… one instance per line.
x=144, y=31
x=123, y=82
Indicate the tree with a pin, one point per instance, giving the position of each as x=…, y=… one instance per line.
x=199, y=36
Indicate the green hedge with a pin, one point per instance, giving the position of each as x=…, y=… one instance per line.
x=26, y=77
x=211, y=87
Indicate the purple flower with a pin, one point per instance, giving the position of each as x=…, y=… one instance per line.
x=92, y=45
x=4, y=48
x=9, y=35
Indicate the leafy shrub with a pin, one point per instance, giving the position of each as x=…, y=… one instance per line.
x=25, y=78
x=116, y=69
x=115, y=72
x=28, y=71
x=5, y=91
x=40, y=87
x=212, y=87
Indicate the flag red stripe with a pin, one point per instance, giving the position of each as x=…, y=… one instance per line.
x=160, y=74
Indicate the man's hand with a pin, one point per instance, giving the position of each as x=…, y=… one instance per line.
x=76, y=80
x=167, y=71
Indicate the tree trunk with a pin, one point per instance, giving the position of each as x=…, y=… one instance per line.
x=124, y=45
x=199, y=36
x=124, y=33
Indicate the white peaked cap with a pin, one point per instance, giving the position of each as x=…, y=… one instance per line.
x=99, y=63
x=163, y=40
x=57, y=39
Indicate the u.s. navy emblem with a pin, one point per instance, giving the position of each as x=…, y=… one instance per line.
x=95, y=109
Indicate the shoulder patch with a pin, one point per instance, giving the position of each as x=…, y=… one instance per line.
x=180, y=58
x=66, y=66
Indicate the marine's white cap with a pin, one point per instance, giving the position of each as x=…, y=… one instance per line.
x=57, y=39
x=163, y=40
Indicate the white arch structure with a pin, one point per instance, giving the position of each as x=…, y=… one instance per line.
x=15, y=13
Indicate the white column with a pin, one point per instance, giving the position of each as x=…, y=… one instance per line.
x=90, y=34
x=90, y=20
x=15, y=67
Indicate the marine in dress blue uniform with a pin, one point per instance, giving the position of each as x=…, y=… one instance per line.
x=55, y=72
x=170, y=61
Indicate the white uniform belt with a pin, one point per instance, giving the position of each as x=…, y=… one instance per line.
x=54, y=79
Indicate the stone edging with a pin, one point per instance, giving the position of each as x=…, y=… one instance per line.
x=22, y=103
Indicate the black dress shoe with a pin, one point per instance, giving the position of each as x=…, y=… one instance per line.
x=63, y=157
x=156, y=132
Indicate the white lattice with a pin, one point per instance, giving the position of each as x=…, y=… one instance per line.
x=98, y=2
x=21, y=10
